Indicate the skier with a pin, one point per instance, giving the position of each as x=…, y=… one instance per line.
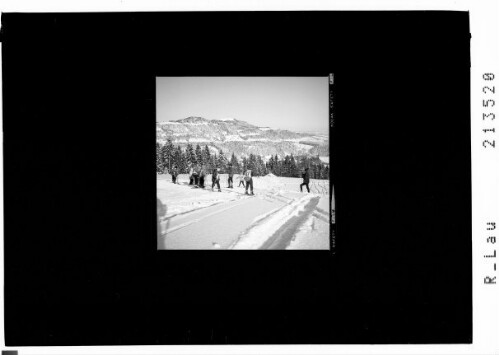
x=231, y=174
x=249, y=182
x=195, y=173
x=202, y=174
x=215, y=179
x=241, y=180
x=174, y=173
x=191, y=177
x=306, y=179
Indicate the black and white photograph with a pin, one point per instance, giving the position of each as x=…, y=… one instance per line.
x=243, y=163
x=329, y=150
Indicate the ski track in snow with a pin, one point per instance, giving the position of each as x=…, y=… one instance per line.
x=283, y=219
x=310, y=234
x=282, y=238
x=215, y=227
x=271, y=231
x=169, y=216
x=183, y=225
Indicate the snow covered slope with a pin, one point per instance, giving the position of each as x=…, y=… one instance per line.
x=279, y=216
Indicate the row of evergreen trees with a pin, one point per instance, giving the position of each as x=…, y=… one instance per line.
x=168, y=156
x=291, y=167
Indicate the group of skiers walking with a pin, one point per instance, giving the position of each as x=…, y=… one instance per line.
x=197, y=175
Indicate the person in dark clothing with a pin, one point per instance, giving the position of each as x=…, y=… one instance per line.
x=202, y=175
x=249, y=182
x=231, y=174
x=174, y=173
x=306, y=180
x=195, y=174
x=215, y=179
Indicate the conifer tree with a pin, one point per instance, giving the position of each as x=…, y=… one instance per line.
x=159, y=160
x=165, y=157
x=326, y=173
x=304, y=163
x=214, y=161
x=293, y=169
x=184, y=167
x=190, y=155
x=207, y=157
x=314, y=170
x=251, y=162
x=235, y=163
x=245, y=165
x=285, y=171
x=167, y=152
x=260, y=166
x=256, y=166
x=177, y=158
x=270, y=164
x=199, y=155
x=222, y=161
x=277, y=170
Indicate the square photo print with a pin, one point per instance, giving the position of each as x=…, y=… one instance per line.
x=243, y=163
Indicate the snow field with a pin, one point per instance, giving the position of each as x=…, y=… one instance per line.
x=277, y=217
x=179, y=200
x=264, y=227
x=309, y=234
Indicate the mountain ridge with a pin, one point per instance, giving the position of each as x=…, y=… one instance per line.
x=240, y=137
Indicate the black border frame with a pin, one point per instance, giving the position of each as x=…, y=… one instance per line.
x=404, y=271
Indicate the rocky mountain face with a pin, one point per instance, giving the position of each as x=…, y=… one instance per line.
x=239, y=137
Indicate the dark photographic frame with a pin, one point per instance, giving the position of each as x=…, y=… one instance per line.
x=81, y=265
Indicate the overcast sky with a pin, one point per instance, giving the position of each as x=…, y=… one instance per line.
x=294, y=103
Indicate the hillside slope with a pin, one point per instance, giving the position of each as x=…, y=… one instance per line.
x=240, y=137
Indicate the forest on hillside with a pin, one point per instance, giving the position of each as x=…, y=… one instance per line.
x=169, y=155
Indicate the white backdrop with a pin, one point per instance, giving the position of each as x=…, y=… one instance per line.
x=484, y=16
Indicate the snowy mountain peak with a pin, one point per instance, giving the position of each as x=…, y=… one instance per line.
x=226, y=119
x=192, y=119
